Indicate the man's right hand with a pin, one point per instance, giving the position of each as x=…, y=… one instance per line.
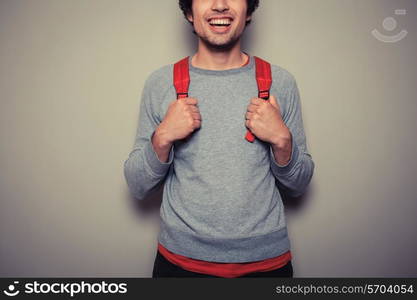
x=181, y=119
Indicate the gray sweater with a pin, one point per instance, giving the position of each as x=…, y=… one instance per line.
x=221, y=197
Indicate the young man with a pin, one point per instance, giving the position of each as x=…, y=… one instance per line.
x=222, y=214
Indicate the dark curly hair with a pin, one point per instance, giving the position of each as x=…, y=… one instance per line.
x=185, y=6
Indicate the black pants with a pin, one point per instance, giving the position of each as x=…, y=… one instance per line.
x=164, y=268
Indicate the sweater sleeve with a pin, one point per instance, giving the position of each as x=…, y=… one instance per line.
x=294, y=177
x=142, y=169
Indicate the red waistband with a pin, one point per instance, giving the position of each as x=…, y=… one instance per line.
x=225, y=269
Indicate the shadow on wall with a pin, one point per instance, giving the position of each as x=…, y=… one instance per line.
x=296, y=204
x=150, y=205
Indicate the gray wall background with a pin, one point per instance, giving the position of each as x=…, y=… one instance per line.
x=70, y=80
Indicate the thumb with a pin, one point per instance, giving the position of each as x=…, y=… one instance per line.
x=273, y=101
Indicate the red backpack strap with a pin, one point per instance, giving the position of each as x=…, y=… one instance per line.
x=264, y=80
x=263, y=77
x=181, y=78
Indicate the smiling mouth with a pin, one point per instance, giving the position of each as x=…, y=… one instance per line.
x=220, y=23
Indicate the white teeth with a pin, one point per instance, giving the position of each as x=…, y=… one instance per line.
x=220, y=22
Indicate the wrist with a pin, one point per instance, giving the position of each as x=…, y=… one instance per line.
x=281, y=141
x=161, y=139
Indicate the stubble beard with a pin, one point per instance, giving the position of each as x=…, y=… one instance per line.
x=220, y=46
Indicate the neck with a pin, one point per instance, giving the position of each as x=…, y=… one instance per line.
x=212, y=59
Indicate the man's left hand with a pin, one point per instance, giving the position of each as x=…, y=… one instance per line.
x=263, y=119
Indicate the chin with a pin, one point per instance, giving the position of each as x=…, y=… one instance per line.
x=220, y=45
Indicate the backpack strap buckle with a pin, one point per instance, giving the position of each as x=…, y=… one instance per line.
x=182, y=95
x=263, y=94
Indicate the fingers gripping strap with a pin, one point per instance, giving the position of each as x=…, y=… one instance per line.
x=263, y=77
x=181, y=78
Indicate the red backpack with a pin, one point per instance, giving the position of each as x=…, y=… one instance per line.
x=263, y=79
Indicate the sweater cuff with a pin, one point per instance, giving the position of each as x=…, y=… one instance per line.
x=157, y=167
x=283, y=170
